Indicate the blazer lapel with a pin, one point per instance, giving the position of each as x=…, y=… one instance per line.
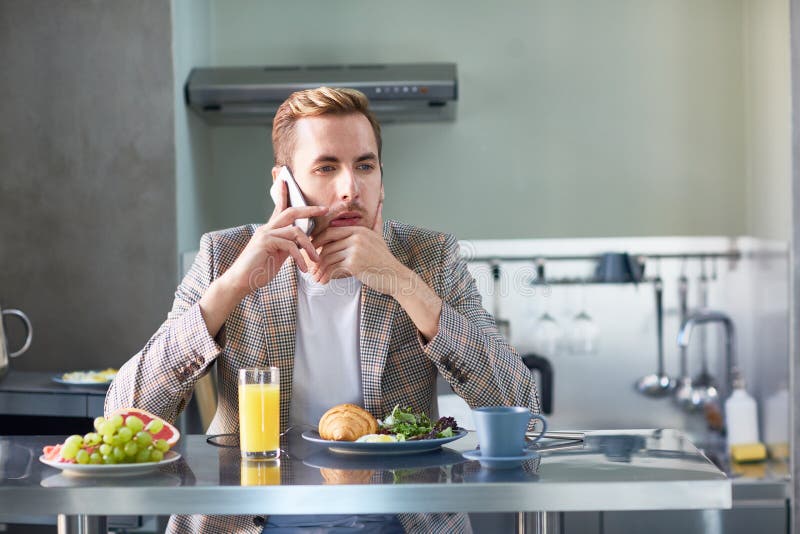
x=279, y=310
x=377, y=317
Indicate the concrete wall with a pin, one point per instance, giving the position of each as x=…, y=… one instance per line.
x=87, y=181
x=575, y=119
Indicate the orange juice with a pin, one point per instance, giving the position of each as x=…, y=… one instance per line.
x=259, y=418
x=261, y=473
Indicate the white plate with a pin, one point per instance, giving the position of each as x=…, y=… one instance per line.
x=105, y=470
x=60, y=380
x=398, y=447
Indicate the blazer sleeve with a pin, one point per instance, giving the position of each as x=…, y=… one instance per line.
x=468, y=350
x=160, y=378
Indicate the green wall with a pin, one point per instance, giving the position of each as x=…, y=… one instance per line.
x=576, y=118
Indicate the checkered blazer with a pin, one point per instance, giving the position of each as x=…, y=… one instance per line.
x=397, y=366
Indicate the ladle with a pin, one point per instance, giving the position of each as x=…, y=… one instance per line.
x=658, y=384
x=704, y=387
x=685, y=395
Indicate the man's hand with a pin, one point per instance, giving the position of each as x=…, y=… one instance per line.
x=360, y=252
x=260, y=261
x=272, y=244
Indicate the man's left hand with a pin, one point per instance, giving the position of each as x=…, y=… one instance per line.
x=360, y=252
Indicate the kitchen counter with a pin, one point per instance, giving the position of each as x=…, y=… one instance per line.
x=31, y=393
x=610, y=470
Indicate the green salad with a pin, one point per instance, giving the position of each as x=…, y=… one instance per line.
x=407, y=425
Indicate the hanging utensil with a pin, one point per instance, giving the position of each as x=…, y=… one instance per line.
x=503, y=325
x=705, y=387
x=684, y=394
x=658, y=384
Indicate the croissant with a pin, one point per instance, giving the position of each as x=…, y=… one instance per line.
x=346, y=422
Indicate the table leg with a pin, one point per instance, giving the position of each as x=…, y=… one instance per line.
x=539, y=522
x=82, y=524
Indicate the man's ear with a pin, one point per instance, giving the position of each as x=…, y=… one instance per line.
x=275, y=171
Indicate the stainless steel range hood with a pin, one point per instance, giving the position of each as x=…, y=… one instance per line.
x=410, y=92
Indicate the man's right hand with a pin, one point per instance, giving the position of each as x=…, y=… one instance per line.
x=260, y=261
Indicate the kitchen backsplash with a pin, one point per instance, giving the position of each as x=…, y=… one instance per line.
x=594, y=391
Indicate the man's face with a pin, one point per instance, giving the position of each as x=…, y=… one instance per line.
x=336, y=164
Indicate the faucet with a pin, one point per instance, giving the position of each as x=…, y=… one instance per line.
x=711, y=316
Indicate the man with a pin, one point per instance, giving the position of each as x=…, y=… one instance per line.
x=361, y=311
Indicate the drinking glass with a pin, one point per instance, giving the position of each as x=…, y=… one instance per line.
x=583, y=331
x=547, y=333
x=259, y=413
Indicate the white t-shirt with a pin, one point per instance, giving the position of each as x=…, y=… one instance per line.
x=327, y=367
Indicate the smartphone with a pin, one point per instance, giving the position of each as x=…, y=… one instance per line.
x=296, y=198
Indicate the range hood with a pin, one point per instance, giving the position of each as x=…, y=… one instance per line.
x=410, y=92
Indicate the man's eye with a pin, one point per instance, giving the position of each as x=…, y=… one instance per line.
x=366, y=167
x=326, y=168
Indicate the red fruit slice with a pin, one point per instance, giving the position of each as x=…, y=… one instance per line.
x=52, y=452
x=168, y=432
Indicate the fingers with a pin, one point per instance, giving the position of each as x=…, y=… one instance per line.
x=333, y=247
x=301, y=240
x=287, y=216
x=294, y=252
x=332, y=233
x=332, y=264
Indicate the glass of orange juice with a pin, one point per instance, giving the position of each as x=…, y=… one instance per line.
x=259, y=413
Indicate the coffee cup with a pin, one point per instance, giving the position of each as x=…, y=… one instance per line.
x=501, y=430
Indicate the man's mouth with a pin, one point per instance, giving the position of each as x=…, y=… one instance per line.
x=348, y=218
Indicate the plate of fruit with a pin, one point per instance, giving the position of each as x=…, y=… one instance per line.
x=127, y=442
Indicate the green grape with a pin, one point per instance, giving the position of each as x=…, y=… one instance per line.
x=144, y=439
x=95, y=458
x=82, y=457
x=161, y=445
x=74, y=440
x=118, y=453
x=131, y=449
x=143, y=456
x=116, y=421
x=154, y=426
x=156, y=455
x=109, y=459
x=105, y=449
x=69, y=450
x=125, y=434
x=108, y=430
x=134, y=423
x=91, y=439
x=99, y=423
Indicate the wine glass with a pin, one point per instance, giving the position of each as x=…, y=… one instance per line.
x=547, y=332
x=583, y=331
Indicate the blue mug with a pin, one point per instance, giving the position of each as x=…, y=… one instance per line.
x=501, y=430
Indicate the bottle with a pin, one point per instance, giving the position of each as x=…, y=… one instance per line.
x=741, y=416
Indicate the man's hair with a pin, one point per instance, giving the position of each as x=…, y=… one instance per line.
x=313, y=103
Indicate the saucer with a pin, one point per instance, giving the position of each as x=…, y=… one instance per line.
x=499, y=462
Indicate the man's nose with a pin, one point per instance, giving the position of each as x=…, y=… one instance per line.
x=347, y=185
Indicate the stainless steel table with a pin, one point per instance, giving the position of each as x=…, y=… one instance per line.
x=622, y=470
